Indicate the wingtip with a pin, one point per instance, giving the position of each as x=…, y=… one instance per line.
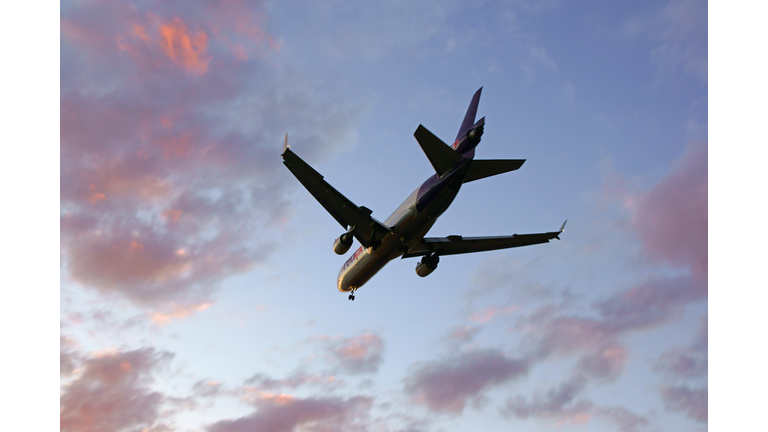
x=285, y=144
x=562, y=228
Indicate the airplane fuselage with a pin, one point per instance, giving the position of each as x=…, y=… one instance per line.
x=403, y=233
x=409, y=223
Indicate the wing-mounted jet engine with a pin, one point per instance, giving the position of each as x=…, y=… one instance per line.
x=427, y=265
x=342, y=243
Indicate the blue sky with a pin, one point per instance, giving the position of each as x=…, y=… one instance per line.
x=197, y=276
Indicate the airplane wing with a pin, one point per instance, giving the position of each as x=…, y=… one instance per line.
x=453, y=245
x=367, y=230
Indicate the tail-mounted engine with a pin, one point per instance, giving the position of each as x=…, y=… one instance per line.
x=427, y=265
x=474, y=134
x=341, y=245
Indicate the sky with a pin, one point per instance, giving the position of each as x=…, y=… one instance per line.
x=197, y=278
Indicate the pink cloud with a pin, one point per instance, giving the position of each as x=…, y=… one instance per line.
x=564, y=405
x=607, y=361
x=691, y=401
x=448, y=385
x=688, y=362
x=625, y=420
x=565, y=335
x=296, y=380
x=549, y=332
x=491, y=312
x=286, y=414
x=183, y=48
x=69, y=358
x=558, y=404
x=177, y=312
x=672, y=217
x=463, y=334
x=357, y=354
x=170, y=181
x=651, y=303
x=112, y=392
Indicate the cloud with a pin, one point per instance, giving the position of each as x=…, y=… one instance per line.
x=491, y=312
x=536, y=59
x=624, y=419
x=607, y=361
x=678, y=202
x=672, y=217
x=671, y=221
x=285, y=414
x=68, y=358
x=209, y=388
x=691, y=401
x=298, y=379
x=649, y=304
x=112, y=392
x=463, y=334
x=564, y=405
x=171, y=178
x=448, y=385
x=679, y=33
x=594, y=337
x=358, y=354
x=550, y=332
x=183, y=48
x=369, y=32
x=688, y=362
x=557, y=404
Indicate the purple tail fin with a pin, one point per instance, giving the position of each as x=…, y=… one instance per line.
x=469, y=118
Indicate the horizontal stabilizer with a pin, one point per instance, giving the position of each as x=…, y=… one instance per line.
x=440, y=155
x=490, y=167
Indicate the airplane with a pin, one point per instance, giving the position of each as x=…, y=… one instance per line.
x=402, y=233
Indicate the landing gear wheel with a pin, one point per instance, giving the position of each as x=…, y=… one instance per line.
x=350, y=297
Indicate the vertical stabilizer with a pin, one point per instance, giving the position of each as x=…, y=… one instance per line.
x=469, y=117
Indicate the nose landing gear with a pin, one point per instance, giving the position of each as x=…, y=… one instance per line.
x=352, y=296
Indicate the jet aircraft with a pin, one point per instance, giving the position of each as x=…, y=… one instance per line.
x=402, y=233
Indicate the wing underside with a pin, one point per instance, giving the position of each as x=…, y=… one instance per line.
x=453, y=245
x=367, y=230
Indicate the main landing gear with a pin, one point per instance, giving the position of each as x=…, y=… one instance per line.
x=352, y=296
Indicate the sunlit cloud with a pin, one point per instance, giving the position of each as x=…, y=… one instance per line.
x=177, y=312
x=112, y=392
x=672, y=217
x=183, y=48
x=357, y=354
x=491, y=312
x=691, y=401
x=279, y=413
x=155, y=157
x=449, y=384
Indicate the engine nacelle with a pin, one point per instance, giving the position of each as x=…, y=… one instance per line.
x=426, y=266
x=341, y=245
x=474, y=135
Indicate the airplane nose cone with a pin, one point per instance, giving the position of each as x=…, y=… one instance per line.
x=340, y=281
x=344, y=281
